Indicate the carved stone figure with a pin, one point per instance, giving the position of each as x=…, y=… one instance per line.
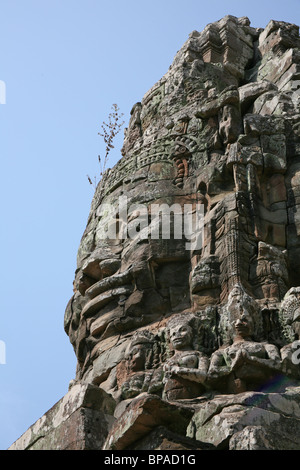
x=198, y=310
x=185, y=371
x=139, y=373
x=245, y=364
x=220, y=130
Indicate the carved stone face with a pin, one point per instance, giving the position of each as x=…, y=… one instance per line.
x=128, y=283
x=241, y=315
x=244, y=326
x=181, y=336
x=137, y=358
x=196, y=136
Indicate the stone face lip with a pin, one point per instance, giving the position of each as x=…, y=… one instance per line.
x=249, y=421
x=191, y=325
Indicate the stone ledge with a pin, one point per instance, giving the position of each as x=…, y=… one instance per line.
x=80, y=420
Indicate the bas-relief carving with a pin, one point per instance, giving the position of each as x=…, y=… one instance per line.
x=220, y=128
x=245, y=361
x=185, y=371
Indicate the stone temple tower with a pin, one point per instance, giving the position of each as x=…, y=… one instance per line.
x=185, y=317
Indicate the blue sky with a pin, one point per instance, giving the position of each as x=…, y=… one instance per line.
x=64, y=64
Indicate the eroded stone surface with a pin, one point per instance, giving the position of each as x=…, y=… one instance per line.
x=219, y=129
x=210, y=328
x=249, y=421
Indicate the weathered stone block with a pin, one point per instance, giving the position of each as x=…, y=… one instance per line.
x=79, y=421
